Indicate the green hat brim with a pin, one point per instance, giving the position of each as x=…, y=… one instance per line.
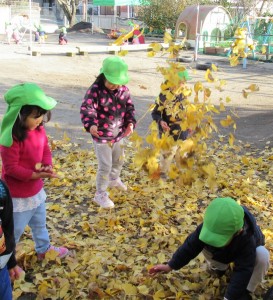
x=213, y=239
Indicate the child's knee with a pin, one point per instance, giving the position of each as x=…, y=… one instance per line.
x=262, y=257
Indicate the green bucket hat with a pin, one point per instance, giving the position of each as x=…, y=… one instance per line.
x=184, y=75
x=223, y=218
x=16, y=98
x=115, y=70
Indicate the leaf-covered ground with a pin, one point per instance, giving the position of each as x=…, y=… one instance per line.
x=111, y=250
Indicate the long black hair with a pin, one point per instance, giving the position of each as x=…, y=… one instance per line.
x=19, y=130
x=100, y=80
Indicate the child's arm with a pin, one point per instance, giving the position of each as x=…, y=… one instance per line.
x=129, y=130
x=47, y=155
x=10, y=160
x=88, y=111
x=129, y=117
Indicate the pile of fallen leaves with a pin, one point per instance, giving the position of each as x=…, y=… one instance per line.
x=111, y=250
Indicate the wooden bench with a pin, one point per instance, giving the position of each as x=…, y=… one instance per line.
x=53, y=49
x=83, y=50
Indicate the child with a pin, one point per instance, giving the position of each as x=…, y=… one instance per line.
x=107, y=112
x=167, y=123
x=62, y=36
x=8, y=268
x=41, y=33
x=228, y=234
x=9, y=31
x=26, y=160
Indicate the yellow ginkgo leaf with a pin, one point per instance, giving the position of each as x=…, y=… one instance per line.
x=156, y=47
x=198, y=87
x=214, y=67
x=263, y=49
x=227, y=122
x=129, y=289
x=245, y=93
x=231, y=139
x=208, y=76
x=151, y=53
x=253, y=88
x=167, y=37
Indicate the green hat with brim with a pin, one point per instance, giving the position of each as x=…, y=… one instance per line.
x=223, y=218
x=115, y=70
x=184, y=75
x=16, y=98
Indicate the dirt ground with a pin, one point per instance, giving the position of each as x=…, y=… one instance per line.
x=67, y=78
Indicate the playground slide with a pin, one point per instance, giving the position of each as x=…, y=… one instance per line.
x=122, y=38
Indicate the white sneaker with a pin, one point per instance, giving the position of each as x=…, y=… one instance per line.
x=103, y=200
x=117, y=183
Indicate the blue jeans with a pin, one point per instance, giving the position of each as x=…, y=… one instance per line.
x=5, y=285
x=36, y=219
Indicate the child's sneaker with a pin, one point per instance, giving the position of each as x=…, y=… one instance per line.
x=61, y=250
x=117, y=183
x=103, y=200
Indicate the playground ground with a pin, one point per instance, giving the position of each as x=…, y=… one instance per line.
x=67, y=78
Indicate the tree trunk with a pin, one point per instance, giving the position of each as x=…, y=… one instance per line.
x=69, y=9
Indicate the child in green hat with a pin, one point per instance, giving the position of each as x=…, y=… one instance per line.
x=228, y=234
x=108, y=114
x=63, y=37
x=26, y=160
x=169, y=101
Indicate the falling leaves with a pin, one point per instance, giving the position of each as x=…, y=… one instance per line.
x=252, y=88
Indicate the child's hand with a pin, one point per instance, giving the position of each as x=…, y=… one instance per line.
x=129, y=130
x=45, y=175
x=39, y=167
x=16, y=273
x=164, y=126
x=159, y=268
x=94, y=130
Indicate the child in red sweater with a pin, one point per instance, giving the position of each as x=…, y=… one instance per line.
x=26, y=160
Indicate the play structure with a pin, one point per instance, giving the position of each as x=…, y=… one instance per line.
x=205, y=22
x=253, y=40
x=135, y=36
x=209, y=29
x=16, y=28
